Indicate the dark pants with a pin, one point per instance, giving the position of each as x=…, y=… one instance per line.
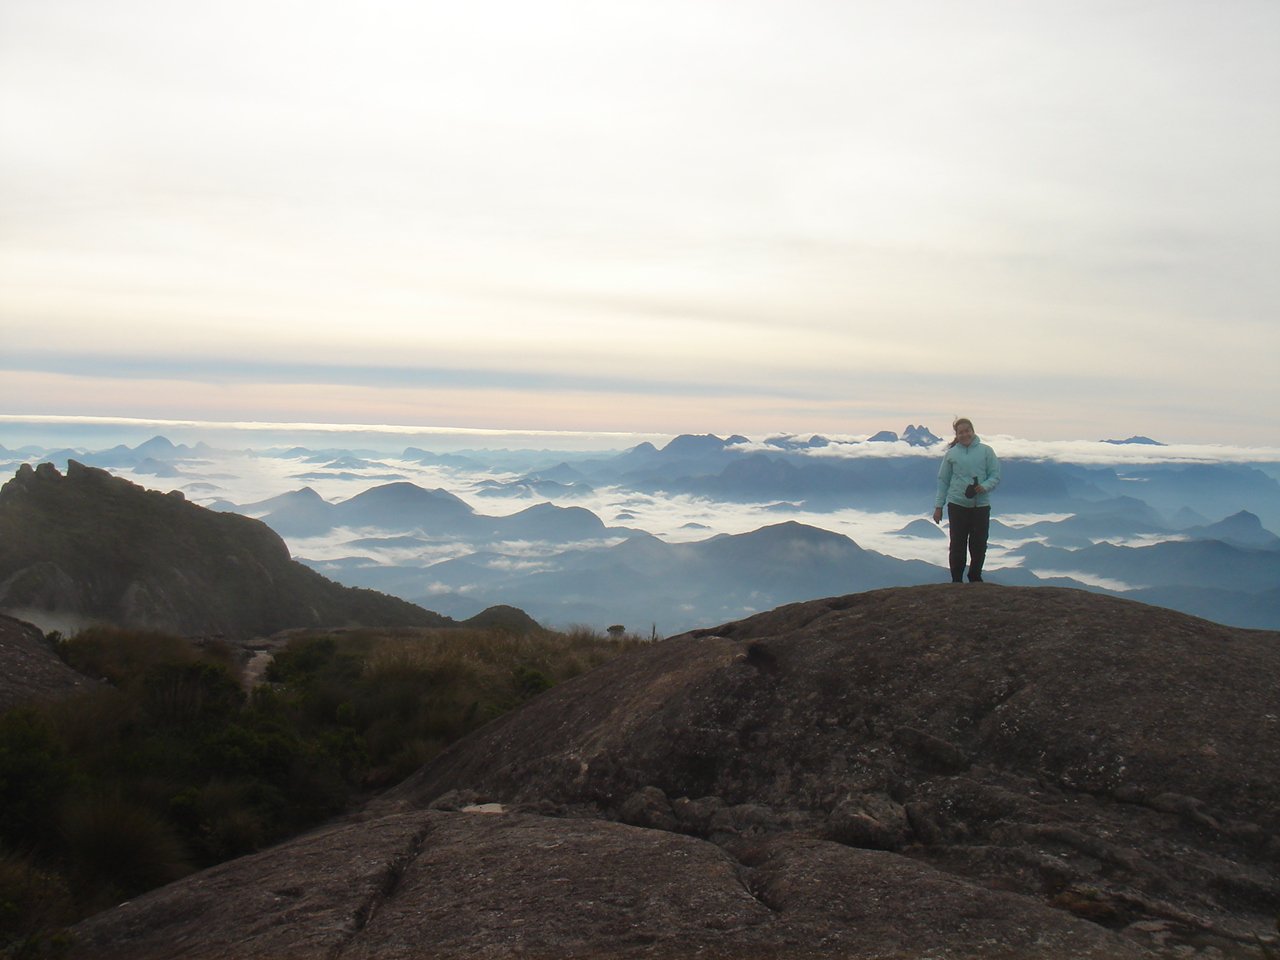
x=969, y=529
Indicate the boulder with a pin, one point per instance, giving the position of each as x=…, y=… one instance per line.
x=30, y=670
x=1037, y=740
x=458, y=886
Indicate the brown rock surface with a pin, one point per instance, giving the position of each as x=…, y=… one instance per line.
x=30, y=671
x=950, y=771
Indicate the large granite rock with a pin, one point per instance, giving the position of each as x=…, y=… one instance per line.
x=30, y=671
x=950, y=771
x=468, y=886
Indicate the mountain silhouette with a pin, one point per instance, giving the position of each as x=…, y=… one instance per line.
x=1212, y=489
x=407, y=508
x=533, y=486
x=815, y=442
x=298, y=513
x=1205, y=563
x=1127, y=504
x=645, y=580
x=1140, y=440
x=1209, y=578
x=101, y=548
x=546, y=521
x=1108, y=519
x=1242, y=529
x=920, y=436
x=158, y=448
x=926, y=529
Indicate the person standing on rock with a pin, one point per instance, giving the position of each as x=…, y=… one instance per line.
x=970, y=471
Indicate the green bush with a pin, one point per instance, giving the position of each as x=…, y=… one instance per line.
x=118, y=849
x=226, y=819
x=35, y=773
x=92, y=724
x=529, y=681
x=172, y=767
x=35, y=903
x=118, y=655
x=189, y=694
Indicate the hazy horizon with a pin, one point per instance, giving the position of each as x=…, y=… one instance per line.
x=99, y=433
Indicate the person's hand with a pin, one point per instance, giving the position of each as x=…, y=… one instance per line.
x=979, y=489
x=937, y=514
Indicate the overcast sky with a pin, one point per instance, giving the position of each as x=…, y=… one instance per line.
x=701, y=216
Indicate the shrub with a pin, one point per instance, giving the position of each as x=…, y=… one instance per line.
x=126, y=787
x=226, y=819
x=187, y=694
x=407, y=757
x=119, y=849
x=91, y=724
x=34, y=904
x=35, y=773
x=529, y=682
x=251, y=751
x=118, y=655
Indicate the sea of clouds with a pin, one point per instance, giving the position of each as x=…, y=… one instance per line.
x=246, y=465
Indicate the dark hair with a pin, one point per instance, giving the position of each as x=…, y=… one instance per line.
x=955, y=425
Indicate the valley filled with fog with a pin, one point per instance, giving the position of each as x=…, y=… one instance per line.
x=701, y=530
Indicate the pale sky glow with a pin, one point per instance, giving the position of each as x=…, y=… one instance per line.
x=658, y=217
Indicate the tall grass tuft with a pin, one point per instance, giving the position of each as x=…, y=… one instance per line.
x=120, y=848
x=33, y=902
x=411, y=692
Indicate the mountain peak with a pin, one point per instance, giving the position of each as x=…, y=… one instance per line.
x=916, y=436
x=789, y=442
x=1242, y=528
x=1144, y=441
x=92, y=544
x=920, y=436
x=405, y=493
x=156, y=446
x=688, y=444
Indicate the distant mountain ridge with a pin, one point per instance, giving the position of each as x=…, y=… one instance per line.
x=545, y=556
x=647, y=580
x=1242, y=529
x=404, y=506
x=916, y=436
x=96, y=546
x=1144, y=441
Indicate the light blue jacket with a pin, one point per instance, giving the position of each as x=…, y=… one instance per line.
x=959, y=466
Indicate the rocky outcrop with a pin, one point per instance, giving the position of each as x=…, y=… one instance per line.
x=1118, y=761
x=97, y=547
x=30, y=671
x=466, y=885
x=950, y=771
